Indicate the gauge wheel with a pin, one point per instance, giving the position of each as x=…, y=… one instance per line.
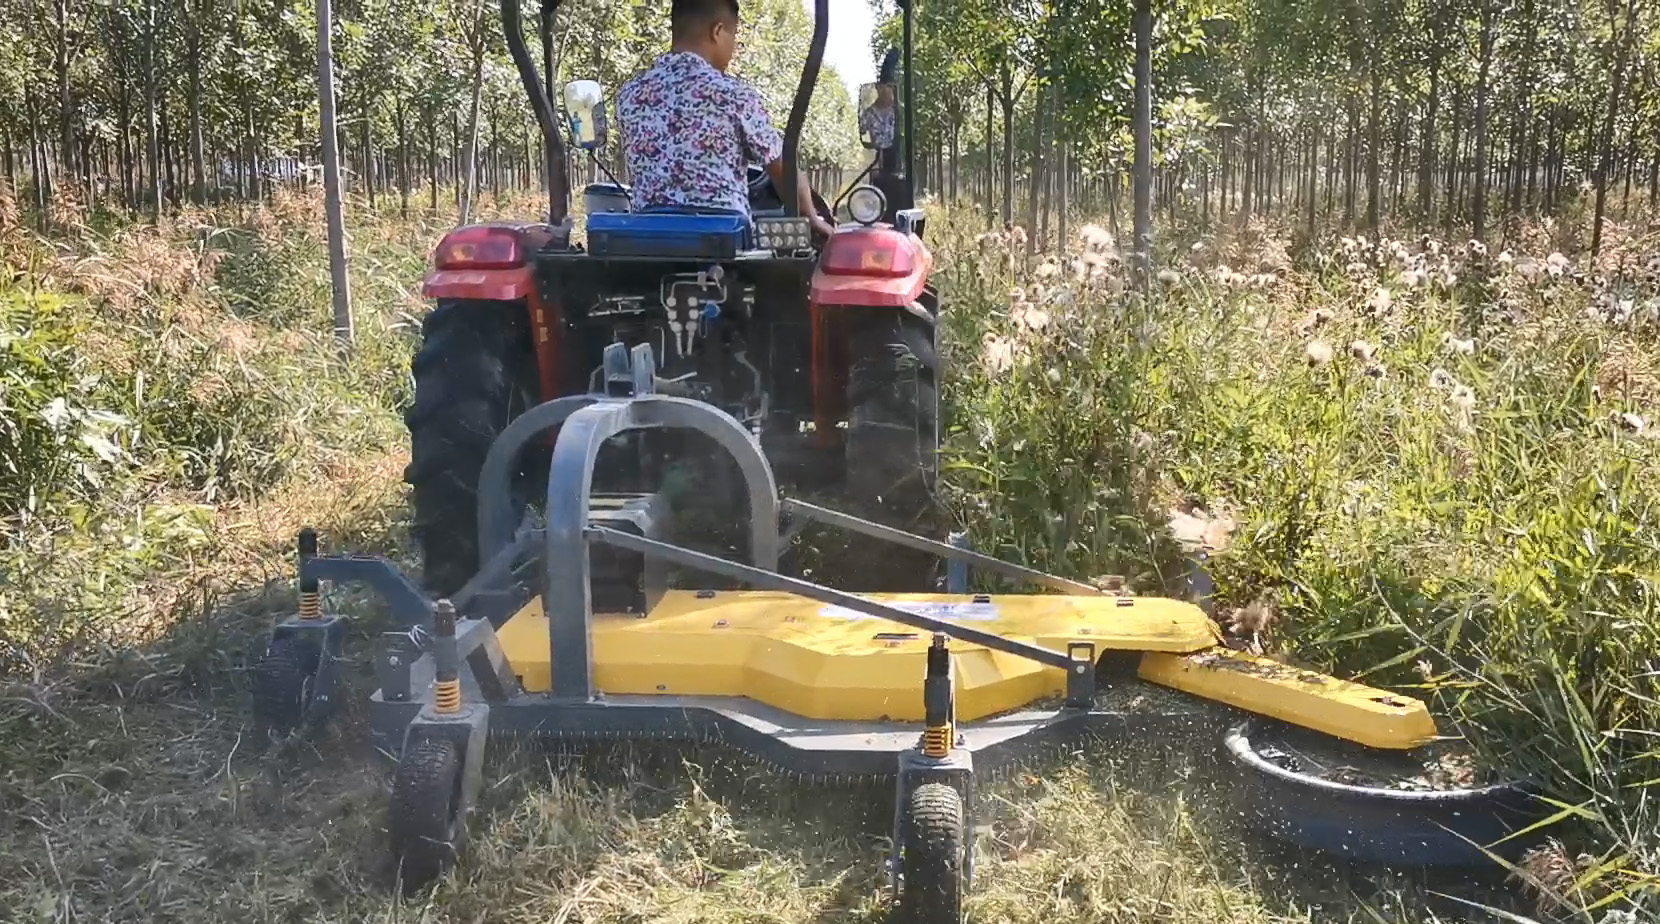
x=424, y=821
x=933, y=854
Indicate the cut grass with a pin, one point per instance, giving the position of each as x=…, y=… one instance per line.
x=1363, y=520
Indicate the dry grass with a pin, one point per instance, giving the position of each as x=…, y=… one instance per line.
x=131, y=785
x=166, y=810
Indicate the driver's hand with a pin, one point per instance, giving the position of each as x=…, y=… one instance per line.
x=822, y=228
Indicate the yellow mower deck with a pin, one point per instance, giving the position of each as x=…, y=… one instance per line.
x=824, y=662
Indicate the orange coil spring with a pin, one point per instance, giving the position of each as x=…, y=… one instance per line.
x=309, y=608
x=447, y=696
x=936, y=741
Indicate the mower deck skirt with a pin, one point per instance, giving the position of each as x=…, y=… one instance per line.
x=805, y=746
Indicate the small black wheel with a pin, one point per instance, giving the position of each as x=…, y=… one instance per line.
x=933, y=854
x=284, y=682
x=424, y=822
x=893, y=425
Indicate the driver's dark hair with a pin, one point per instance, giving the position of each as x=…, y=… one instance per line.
x=691, y=16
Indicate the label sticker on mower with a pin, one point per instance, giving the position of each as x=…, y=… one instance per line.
x=956, y=612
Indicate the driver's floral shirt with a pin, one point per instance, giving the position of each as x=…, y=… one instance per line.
x=690, y=132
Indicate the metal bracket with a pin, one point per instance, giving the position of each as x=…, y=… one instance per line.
x=568, y=593
x=394, y=656
x=915, y=768
x=328, y=633
x=410, y=607
x=1080, y=675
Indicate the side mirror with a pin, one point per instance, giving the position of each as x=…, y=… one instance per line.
x=878, y=115
x=585, y=107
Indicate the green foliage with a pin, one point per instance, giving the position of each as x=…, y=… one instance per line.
x=57, y=438
x=1465, y=527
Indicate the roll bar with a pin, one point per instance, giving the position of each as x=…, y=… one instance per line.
x=541, y=103
x=798, y=109
x=905, y=7
x=559, y=193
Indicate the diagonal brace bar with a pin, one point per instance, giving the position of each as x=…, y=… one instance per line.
x=497, y=569
x=770, y=580
x=949, y=552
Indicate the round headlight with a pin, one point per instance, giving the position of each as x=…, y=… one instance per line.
x=866, y=204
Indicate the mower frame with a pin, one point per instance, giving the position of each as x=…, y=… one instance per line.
x=414, y=660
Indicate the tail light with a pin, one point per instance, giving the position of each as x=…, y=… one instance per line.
x=877, y=252
x=480, y=247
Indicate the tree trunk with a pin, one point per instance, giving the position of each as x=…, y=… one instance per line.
x=1374, y=141
x=432, y=160
x=1313, y=178
x=339, y=282
x=66, y=108
x=1478, y=216
x=1606, y=144
x=1034, y=192
x=470, y=186
x=366, y=136
x=1453, y=156
x=1143, y=127
x=1064, y=169
x=403, y=159
x=152, y=141
x=198, y=165
x=1006, y=98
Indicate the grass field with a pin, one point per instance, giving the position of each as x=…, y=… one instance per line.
x=1421, y=462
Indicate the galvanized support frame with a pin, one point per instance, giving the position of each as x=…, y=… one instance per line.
x=950, y=552
x=771, y=580
x=574, y=710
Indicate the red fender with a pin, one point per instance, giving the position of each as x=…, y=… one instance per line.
x=492, y=262
x=863, y=267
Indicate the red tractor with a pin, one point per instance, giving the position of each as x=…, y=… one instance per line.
x=826, y=352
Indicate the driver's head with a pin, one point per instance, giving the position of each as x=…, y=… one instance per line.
x=707, y=28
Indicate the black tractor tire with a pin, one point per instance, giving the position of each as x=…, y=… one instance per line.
x=891, y=454
x=474, y=373
x=932, y=863
x=424, y=822
x=282, y=683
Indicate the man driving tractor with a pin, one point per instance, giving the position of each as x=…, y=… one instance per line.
x=690, y=130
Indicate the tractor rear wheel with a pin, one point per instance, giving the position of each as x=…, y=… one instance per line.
x=474, y=373
x=893, y=421
x=931, y=865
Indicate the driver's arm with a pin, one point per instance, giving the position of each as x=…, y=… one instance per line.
x=803, y=194
x=763, y=144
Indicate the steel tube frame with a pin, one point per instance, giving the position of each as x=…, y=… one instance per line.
x=567, y=596
x=949, y=552
x=495, y=478
x=771, y=580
